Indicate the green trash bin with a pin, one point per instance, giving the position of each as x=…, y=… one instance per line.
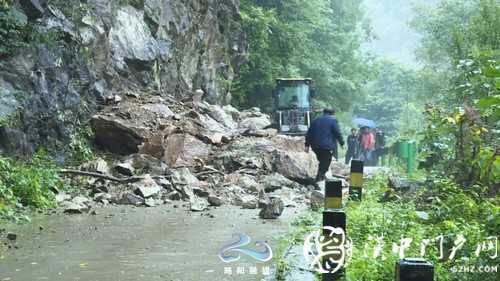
x=403, y=149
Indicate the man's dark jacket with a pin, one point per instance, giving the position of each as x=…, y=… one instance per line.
x=324, y=133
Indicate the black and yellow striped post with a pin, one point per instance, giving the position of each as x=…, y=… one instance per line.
x=333, y=194
x=333, y=216
x=356, y=184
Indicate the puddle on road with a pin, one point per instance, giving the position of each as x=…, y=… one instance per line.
x=126, y=243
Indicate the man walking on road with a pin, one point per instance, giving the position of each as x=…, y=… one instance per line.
x=323, y=136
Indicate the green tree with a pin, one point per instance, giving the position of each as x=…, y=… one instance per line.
x=298, y=38
x=461, y=41
x=453, y=28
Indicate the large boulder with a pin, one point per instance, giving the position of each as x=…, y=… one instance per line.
x=298, y=166
x=246, y=152
x=116, y=135
x=185, y=150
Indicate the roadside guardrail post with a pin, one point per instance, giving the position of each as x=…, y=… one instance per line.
x=334, y=217
x=356, y=182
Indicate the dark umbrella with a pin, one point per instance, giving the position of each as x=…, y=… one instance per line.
x=363, y=122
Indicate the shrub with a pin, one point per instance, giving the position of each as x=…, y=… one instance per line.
x=13, y=28
x=27, y=184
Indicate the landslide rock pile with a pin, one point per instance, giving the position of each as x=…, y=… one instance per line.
x=165, y=150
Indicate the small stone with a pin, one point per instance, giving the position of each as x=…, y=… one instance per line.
x=60, y=197
x=317, y=200
x=164, y=182
x=72, y=208
x=272, y=210
x=147, y=191
x=132, y=94
x=80, y=200
x=101, y=197
x=215, y=201
x=125, y=169
x=246, y=201
x=132, y=199
x=93, y=213
x=98, y=166
x=174, y=196
x=77, y=205
x=12, y=236
x=249, y=202
x=150, y=202
x=198, y=204
x=201, y=192
x=263, y=199
x=147, y=187
x=249, y=183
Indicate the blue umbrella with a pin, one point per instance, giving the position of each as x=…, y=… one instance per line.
x=363, y=122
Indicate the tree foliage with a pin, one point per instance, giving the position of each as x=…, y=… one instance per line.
x=453, y=28
x=461, y=44
x=13, y=28
x=298, y=38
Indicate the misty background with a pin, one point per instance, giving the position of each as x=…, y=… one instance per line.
x=394, y=38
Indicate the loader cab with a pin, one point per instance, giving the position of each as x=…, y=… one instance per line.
x=293, y=99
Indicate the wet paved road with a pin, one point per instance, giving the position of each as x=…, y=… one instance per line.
x=125, y=243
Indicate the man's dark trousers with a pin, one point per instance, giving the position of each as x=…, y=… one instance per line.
x=325, y=159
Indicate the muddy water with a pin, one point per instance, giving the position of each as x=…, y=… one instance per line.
x=125, y=243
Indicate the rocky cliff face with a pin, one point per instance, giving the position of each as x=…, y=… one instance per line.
x=87, y=54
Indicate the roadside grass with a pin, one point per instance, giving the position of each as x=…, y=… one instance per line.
x=27, y=186
x=437, y=215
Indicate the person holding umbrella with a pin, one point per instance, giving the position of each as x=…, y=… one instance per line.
x=366, y=140
x=367, y=145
